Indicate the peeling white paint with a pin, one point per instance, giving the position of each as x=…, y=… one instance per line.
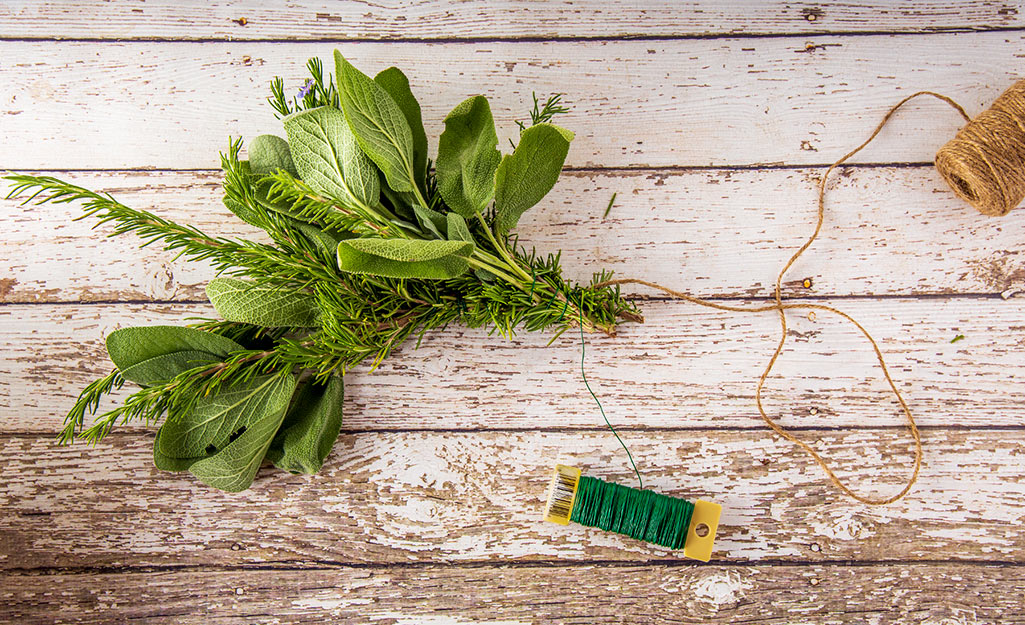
x=721, y=588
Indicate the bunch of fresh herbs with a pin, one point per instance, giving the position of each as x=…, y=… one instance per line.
x=369, y=245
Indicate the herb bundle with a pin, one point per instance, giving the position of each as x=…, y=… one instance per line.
x=369, y=245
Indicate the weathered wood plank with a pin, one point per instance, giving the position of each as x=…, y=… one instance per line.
x=723, y=233
x=685, y=366
x=510, y=19
x=473, y=497
x=634, y=103
x=883, y=594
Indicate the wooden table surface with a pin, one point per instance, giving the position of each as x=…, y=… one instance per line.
x=712, y=122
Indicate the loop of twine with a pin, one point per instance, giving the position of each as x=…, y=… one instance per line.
x=974, y=144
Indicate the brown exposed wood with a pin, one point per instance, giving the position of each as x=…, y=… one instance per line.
x=691, y=102
x=435, y=497
x=896, y=593
x=508, y=19
x=697, y=230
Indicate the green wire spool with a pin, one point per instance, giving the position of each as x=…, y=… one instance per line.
x=642, y=514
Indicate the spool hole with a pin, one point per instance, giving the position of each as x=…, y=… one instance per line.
x=701, y=530
x=963, y=186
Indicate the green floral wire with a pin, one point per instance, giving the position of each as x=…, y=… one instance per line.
x=583, y=374
x=641, y=514
x=635, y=512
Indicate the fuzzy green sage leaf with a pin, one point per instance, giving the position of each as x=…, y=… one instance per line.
x=268, y=154
x=148, y=355
x=310, y=427
x=529, y=173
x=457, y=229
x=223, y=440
x=432, y=221
x=271, y=307
x=328, y=157
x=379, y=124
x=468, y=157
x=404, y=258
x=397, y=85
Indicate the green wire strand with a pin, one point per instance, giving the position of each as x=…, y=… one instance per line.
x=583, y=352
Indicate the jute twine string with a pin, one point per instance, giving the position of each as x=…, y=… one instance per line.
x=985, y=162
x=970, y=149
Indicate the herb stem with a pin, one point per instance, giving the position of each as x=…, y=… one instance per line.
x=479, y=264
x=502, y=249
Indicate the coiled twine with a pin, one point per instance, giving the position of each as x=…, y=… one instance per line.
x=985, y=162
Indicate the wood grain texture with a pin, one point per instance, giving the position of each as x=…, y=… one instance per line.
x=883, y=594
x=694, y=102
x=685, y=367
x=446, y=497
x=720, y=233
x=707, y=120
x=479, y=19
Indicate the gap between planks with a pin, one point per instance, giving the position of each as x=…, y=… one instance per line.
x=329, y=566
x=905, y=593
x=310, y=19
x=161, y=20
x=523, y=39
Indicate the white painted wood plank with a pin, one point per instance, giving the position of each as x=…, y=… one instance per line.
x=722, y=233
x=685, y=367
x=475, y=19
x=446, y=497
x=634, y=103
x=897, y=593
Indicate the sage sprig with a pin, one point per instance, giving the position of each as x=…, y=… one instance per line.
x=368, y=246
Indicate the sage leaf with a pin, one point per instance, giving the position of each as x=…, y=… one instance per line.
x=326, y=242
x=240, y=210
x=468, y=157
x=150, y=354
x=404, y=258
x=457, y=229
x=162, y=368
x=271, y=307
x=328, y=158
x=261, y=193
x=408, y=250
x=261, y=186
x=401, y=203
x=310, y=427
x=397, y=85
x=268, y=154
x=223, y=440
x=431, y=221
x=379, y=124
x=529, y=173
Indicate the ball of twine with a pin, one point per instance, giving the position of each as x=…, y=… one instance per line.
x=985, y=162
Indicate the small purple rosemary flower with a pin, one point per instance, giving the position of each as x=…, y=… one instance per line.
x=306, y=88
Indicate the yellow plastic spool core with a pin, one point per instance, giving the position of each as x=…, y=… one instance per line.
x=704, y=522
